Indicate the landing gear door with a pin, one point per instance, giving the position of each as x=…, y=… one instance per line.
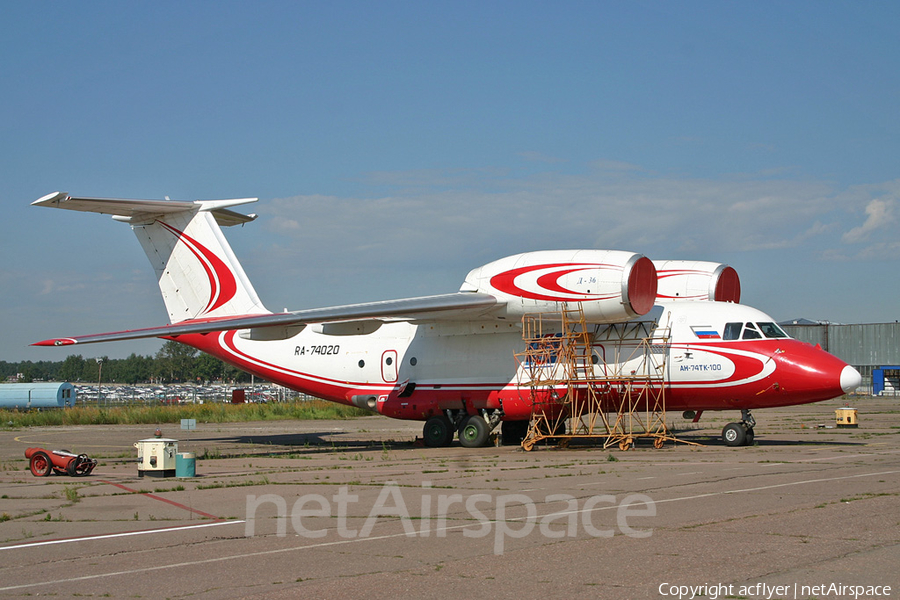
x=389, y=366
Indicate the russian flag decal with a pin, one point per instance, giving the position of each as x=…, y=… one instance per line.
x=705, y=332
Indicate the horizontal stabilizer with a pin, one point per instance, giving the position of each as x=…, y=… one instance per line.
x=126, y=209
x=445, y=306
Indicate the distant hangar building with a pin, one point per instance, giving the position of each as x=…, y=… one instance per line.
x=23, y=396
x=872, y=348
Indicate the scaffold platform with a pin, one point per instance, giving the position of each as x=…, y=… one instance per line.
x=600, y=383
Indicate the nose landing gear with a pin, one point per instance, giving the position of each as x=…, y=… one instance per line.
x=740, y=434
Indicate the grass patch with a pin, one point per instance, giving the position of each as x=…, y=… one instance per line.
x=211, y=486
x=867, y=496
x=71, y=493
x=177, y=488
x=208, y=454
x=205, y=413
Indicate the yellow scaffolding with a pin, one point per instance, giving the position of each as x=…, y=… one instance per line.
x=579, y=392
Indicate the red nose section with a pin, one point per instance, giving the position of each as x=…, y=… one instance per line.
x=805, y=373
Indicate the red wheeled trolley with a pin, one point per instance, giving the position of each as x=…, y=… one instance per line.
x=62, y=462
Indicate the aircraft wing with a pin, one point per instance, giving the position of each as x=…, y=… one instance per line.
x=426, y=308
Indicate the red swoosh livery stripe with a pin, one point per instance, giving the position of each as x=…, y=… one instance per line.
x=222, y=284
x=506, y=282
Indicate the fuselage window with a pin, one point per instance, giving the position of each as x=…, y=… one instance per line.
x=750, y=332
x=732, y=331
x=771, y=330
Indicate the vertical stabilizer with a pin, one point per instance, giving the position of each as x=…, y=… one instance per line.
x=198, y=273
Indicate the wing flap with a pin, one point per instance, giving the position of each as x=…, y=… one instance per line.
x=426, y=308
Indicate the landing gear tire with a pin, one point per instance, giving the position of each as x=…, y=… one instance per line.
x=438, y=432
x=749, y=440
x=474, y=432
x=734, y=434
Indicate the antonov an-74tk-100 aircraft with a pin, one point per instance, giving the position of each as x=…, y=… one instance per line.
x=450, y=360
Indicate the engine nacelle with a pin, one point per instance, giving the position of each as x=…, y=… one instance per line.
x=697, y=280
x=611, y=285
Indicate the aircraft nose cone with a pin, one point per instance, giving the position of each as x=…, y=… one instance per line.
x=850, y=379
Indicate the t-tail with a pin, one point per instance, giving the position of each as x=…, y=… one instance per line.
x=199, y=275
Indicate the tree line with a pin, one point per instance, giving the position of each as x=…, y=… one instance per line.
x=174, y=363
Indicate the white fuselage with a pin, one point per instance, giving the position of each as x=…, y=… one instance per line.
x=452, y=364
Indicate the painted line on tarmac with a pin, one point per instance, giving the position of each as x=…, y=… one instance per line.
x=166, y=500
x=876, y=453
x=107, y=536
x=404, y=534
x=18, y=438
x=223, y=558
x=771, y=487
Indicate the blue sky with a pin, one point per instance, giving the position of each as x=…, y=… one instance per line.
x=394, y=146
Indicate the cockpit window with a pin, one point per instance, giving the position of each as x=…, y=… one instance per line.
x=750, y=332
x=732, y=331
x=771, y=330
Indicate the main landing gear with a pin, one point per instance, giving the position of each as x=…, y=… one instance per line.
x=473, y=430
x=438, y=432
x=740, y=434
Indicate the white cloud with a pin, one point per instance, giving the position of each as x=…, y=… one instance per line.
x=880, y=214
x=879, y=251
x=426, y=235
x=286, y=226
x=423, y=238
x=50, y=286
